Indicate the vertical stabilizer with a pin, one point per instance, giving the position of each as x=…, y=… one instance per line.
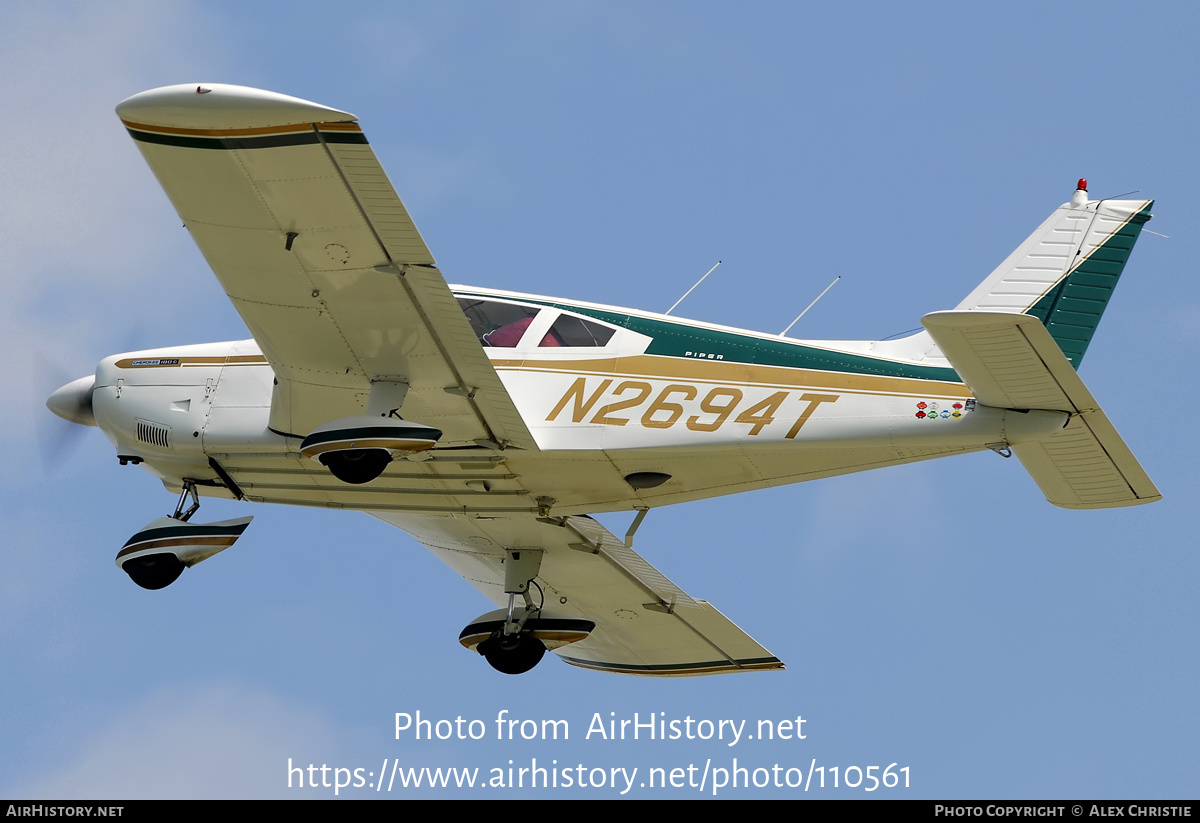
x=1065, y=273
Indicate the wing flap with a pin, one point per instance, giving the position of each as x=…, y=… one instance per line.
x=1010, y=361
x=600, y=540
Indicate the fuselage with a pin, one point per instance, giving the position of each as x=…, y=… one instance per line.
x=650, y=409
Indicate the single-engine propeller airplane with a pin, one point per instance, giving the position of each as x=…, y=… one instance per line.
x=489, y=424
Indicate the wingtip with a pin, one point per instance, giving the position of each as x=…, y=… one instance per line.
x=223, y=106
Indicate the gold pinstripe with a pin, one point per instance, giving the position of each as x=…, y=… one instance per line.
x=359, y=443
x=245, y=132
x=233, y=360
x=1087, y=256
x=165, y=543
x=738, y=374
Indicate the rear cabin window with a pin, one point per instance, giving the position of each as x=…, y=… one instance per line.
x=575, y=331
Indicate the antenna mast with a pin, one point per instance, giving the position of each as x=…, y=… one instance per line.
x=693, y=288
x=809, y=306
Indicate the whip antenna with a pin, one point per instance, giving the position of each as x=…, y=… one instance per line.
x=809, y=306
x=693, y=288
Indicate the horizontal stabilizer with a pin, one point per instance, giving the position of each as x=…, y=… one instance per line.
x=1010, y=361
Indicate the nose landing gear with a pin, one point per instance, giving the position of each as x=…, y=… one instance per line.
x=159, y=552
x=154, y=571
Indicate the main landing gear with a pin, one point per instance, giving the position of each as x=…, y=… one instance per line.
x=515, y=639
x=510, y=648
x=154, y=571
x=512, y=653
x=358, y=449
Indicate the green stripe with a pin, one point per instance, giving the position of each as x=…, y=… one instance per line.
x=415, y=431
x=676, y=339
x=177, y=532
x=750, y=663
x=1071, y=310
x=548, y=624
x=266, y=141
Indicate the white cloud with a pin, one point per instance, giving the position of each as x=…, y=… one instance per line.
x=74, y=185
x=212, y=742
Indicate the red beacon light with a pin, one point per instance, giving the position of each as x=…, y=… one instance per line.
x=1080, y=197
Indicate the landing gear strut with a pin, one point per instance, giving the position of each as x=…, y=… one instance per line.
x=189, y=489
x=511, y=649
x=159, y=570
x=514, y=640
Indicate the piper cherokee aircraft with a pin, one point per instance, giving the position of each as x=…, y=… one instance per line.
x=489, y=424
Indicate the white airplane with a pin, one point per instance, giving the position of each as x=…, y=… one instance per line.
x=489, y=424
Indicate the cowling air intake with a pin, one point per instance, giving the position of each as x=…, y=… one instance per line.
x=357, y=449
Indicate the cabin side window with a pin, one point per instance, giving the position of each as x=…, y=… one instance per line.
x=569, y=330
x=496, y=324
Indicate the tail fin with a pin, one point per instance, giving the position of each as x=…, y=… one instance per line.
x=1065, y=273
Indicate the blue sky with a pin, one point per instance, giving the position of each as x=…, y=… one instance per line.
x=940, y=616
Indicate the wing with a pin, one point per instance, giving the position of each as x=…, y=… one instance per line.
x=645, y=624
x=289, y=205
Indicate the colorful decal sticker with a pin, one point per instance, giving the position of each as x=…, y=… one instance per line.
x=928, y=410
